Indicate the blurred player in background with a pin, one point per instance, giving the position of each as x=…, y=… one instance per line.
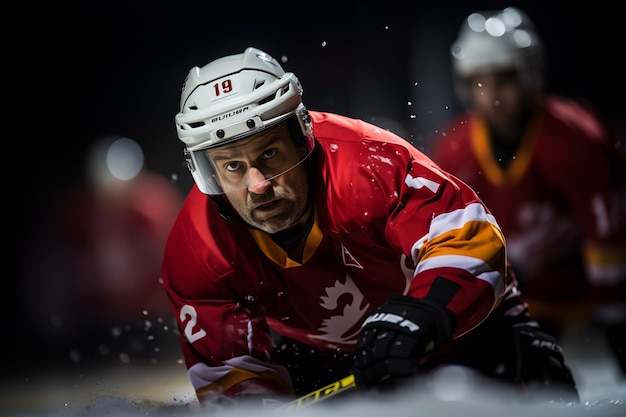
x=552, y=171
x=98, y=268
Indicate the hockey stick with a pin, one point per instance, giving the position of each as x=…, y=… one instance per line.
x=331, y=390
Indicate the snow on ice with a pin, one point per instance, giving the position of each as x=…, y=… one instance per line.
x=163, y=390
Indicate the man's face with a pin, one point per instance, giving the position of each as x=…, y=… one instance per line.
x=252, y=173
x=499, y=97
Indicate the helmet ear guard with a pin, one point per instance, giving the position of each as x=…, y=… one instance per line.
x=301, y=128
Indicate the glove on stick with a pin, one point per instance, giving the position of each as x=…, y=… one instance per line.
x=395, y=337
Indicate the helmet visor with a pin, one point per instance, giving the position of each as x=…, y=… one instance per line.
x=247, y=162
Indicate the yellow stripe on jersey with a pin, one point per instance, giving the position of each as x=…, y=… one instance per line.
x=605, y=266
x=460, y=218
x=278, y=254
x=481, y=143
x=468, y=239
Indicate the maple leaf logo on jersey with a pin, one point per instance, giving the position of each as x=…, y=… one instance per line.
x=346, y=298
x=338, y=328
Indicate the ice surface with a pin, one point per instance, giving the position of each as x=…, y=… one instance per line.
x=163, y=390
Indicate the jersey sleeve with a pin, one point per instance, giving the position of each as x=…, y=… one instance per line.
x=454, y=241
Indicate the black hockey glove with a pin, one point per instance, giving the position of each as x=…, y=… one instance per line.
x=540, y=366
x=394, y=338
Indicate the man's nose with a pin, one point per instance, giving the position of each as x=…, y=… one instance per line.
x=257, y=182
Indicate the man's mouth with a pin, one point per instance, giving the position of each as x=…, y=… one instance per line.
x=270, y=205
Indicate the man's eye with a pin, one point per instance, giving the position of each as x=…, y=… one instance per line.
x=232, y=166
x=270, y=153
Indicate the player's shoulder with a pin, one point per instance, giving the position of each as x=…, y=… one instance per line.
x=194, y=207
x=579, y=117
x=201, y=233
x=323, y=120
x=334, y=131
x=336, y=127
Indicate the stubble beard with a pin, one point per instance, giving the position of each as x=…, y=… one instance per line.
x=276, y=222
x=285, y=216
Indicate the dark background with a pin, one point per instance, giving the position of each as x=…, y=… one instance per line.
x=73, y=72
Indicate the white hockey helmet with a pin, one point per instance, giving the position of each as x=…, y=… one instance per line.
x=497, y=39
x=233, y=98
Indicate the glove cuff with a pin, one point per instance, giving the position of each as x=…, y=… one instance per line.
x=414, y=317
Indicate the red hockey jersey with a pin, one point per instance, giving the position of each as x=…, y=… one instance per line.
x=387, y=221
x=561, y=204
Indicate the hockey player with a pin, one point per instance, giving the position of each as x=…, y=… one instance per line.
x=313, y=246
x=550, y=169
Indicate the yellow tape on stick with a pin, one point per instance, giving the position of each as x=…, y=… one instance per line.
x=321, y=394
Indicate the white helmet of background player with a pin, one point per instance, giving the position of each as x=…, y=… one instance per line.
x=233, y=98
x=497, y=40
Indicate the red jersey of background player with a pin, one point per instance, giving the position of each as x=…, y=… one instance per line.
x=384, y=217
x=562, y=211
